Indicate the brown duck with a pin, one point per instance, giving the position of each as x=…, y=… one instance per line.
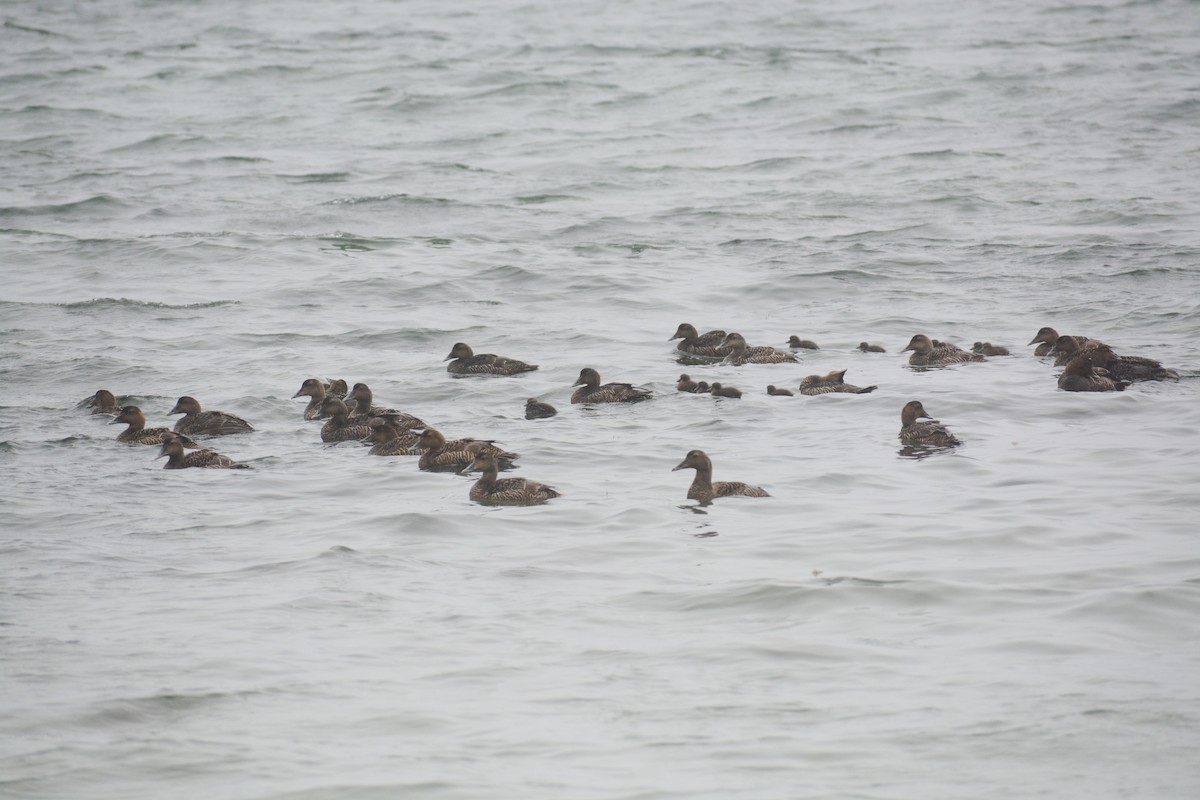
x=138, y=433
x=741, y=353
x=103, y=402
x=930, y=353
x=386, y=440
x=796, y=343
x=536, y=409
x=989, y=349
x=704, y=490
x=777, y=392
x=341, y=427
x=1080, y=376
x=464, y=361
x=365, y=409
x=442, y=455
x=1047, y=338
x=718, y=390
x=867, y=347
x=172, y=450
x=930, y=434
x=831, y=382
x=592, y=391
x=491, y=490
x=316, y=391
x=196, y=422
x=693, y=343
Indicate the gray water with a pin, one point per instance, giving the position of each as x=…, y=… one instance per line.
x=222, y=199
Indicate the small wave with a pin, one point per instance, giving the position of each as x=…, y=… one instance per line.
x=401, y=198
x=125, y=302
x=166, y=141
x=89, y=205
x=319, y=177
x=13, y=26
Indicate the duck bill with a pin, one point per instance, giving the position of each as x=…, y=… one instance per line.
x=681, y=465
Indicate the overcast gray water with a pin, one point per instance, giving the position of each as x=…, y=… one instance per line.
x=222, y=199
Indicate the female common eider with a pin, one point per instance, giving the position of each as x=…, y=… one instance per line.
x=365, y=410
x=704, y=490
x=536, y=409
x=1080, y=376
x=341, y=427
x=776, y=392
x=931, y=433
x=693, y=343
x=442, y=455
x=138, y=433
x=989, y=349
x=867, y=347
x=931, y=353
x=316, y=391
x=591, y=390
x=741, y=353
x=796, y=343
x=832, y=382
x=103, y=402
x=172, y=450
x=387, y=440
x=1120, y=368
x=464, y=361
x=1047, y=338
x=491, y=490
x=725, y=391
x=196, y=422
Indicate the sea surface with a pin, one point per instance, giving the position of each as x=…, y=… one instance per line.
x=221, y=199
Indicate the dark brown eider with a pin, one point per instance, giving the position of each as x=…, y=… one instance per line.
x=387, y=440
x=686, y=384
x=718, y=390
x=491, y=490
x=536, y=409
x=336, y=387
x=365, y=409
x=931, y=433
x=316, y=391
x=832, y=382
x=796, y=343
x=989, y=349
x=1047, y=338
x=702, y=387
x=196, y=422
x=341, y=427
x=707, y=345
x=172, y=450
x=103, y=402
x=138, y=433
x=591, y=390
x=704, y=490
x=867, y=347
x=741, y=353
x=464, y=361
x=776, y=392
x=932, y=353
x=1120, y=368
x=442, y=455
x=1080, y=376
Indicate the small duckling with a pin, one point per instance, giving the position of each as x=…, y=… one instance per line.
x=796, y=343
x=490, y=490
x=931, y=433
x=172, y=450
x=103, y=402
x=196, y=422
x=685, y=384
x=989, y=349
x=930, y=353
x=707, y=345
x=702, y=387
x=465, y=361
x=536, y=409
x=593, y=392
x=867, y=347
x=742, y=353
x=704, y=490
x=832, y=382
x=776, y=392
x=138, y=433
x=725, y=391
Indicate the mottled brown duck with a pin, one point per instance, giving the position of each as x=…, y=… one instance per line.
x=138, y=433
x=707, y=345
x=742, y=353
x=492, y=490
x=932, y=353
x=592, y=391
x=830, y=383
x=928, y=434
x=197, y=422
x=704, y=489
x=465, y=361
x=172, y=450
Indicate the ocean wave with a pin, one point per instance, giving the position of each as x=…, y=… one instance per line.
x=124, y=302
x=100, y=202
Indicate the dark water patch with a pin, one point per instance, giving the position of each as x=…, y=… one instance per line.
x=166, y=143
x=320, y=177
x=105, y=303
x=540, y=199
x=96, y=204
x=14, y=26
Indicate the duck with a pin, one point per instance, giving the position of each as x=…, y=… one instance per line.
x=365, y=409
x=930, y=352
x=1047, y=338
x=704, y=490
x=464, y=361
x=686, y=384
x=741, y=353
x=693, y=343
x=777, y=392
x=1080, y=375
x=796, y=343
x=931, y=433
x=442, y=455
x=702, y=387
x=196, y=422
x=718, y=390
x=592, y=391
x=316, y=391
x=338, y=388
x=831, y=382
x=103, y=402
x=491, y=490
x=867, y=347
x=989, y=349
x=172, y=450
x=341, y=427
x=138, y=433
x=536, y=409
x=387, y=440
x=1120, y=368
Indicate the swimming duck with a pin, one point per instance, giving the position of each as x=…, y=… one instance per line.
x=775, y=392
x=442, y=455
x=1047, y=338
x=316, y=391
x=365, y=408
x=138, y=433
x=1080, y=376
x=931, y=433
x=741, y=353
x=341, y=427
x=718, y=390
x=832, y=382
x=867, y=347
x=591, y=391
x=686, y=384
x=702, y=387
x=989, y=349
x=536, y=409
x=336, y=387
x=796, y=343
x=706, y=346
x=172, y=450
x=704, y=490
x=387, y=440
x=1120, y=368
x=491, y=490
x=206, y=423
x=466, y=362
x=930, y=353
x=103, y=402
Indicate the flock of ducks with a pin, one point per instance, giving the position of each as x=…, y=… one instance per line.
x=350, y=413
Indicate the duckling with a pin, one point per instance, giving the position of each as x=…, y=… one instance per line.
x=776, y=392
x=491, y=490
x=316, y=391
x=536, y=409
x=172, y=450
x=725, y=391
x=707, y=345
x=464, y=361
x=931, y=433
x=989, y=349
x=930, y=353
x=704, y=490
x=138, y=433
x=832, y=382
x=442, y=455
x=796, y=343
x=592, y=391
x=1080, y=376
x=686, y=384
x=387, y=440
x=341, y=427
x=702, y=387
x=103, y=402
x=1047, y=338
x=196, y=422
x=741, y=353
x=365, y=409
x=867, y=347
